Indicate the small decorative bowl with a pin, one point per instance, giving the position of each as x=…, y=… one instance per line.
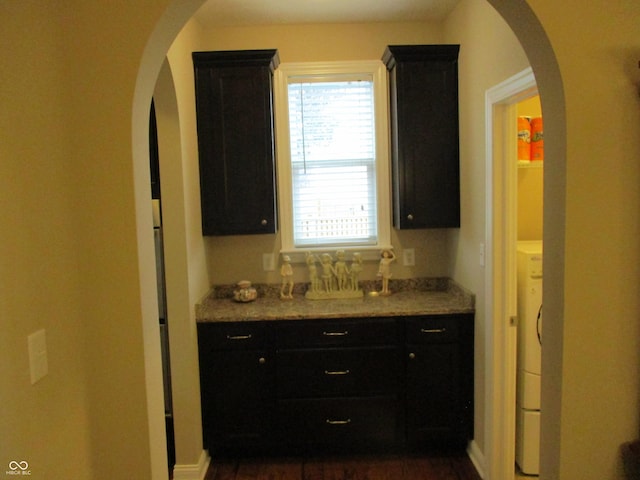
x=245, y=292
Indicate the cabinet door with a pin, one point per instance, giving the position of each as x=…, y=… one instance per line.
x=235, y=142
x=236, y=404
x=236, y=384
x=425, y=141
x=433, y=393
x=439, y=383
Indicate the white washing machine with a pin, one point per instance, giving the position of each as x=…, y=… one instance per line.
x=529, y=356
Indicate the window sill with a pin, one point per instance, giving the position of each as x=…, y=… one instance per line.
x=368, y=253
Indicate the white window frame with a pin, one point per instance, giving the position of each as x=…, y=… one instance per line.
x=378, y=73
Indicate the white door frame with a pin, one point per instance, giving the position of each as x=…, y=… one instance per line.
x=500, y=273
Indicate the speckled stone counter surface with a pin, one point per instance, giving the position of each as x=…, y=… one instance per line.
x=421, y=296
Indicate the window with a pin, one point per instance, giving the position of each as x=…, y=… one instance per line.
x=332, y=156
x=332, y=147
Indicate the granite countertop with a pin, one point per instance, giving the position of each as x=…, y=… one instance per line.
x=409, y=297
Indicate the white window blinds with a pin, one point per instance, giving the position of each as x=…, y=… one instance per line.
x=332, y=134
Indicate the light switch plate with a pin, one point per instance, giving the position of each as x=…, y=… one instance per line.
x=38, y=364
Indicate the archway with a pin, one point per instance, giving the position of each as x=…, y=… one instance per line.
x=523, y=22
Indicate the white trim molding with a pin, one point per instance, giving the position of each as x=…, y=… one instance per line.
x=477, y=457
x=195, y=471
x=500, y=273
x=378, y=73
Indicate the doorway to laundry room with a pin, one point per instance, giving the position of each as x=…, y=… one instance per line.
x=529, y=277
x=514, y=207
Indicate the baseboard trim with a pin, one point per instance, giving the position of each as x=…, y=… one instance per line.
x=196, y=471
x=477, y=457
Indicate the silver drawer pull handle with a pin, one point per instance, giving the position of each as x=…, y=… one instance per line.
x=337, y=372
x=433, y=330
x=335, y=334
x=238, y=337
x=338, y=422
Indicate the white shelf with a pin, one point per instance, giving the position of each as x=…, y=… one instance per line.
x=530, y=164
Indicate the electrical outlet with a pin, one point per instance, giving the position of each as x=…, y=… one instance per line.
x=409, y=257
x=268, y=262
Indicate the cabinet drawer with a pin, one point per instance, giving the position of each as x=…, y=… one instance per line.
x=231, y=336
x=436, y=329
x=337, y=372
x=337, y=333
x=345, y=424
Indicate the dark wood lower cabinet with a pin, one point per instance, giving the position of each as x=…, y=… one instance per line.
x=239, y=407
x=439, y=381
x=355, y=385
x=236, y=385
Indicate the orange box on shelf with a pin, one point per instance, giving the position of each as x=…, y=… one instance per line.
x=524, y=139
x=537, y=139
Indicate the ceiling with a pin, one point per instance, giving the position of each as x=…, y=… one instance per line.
x=269, y=12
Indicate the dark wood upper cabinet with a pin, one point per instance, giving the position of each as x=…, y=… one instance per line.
x=234, y=110
x=423, y=87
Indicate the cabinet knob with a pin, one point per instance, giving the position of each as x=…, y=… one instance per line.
x=264, y=222
x=410, y=217
x=412, y=355
x=262, y=360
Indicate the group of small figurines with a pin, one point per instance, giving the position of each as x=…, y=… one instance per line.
x=335, y=279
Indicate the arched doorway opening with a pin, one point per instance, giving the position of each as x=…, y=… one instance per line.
x=533, y=39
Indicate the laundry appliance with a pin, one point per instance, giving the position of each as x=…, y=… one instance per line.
x=529, y=268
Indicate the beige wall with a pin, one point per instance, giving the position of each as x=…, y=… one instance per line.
x=530, y=186
x=74, y=261
x=40, y=280
x=52, y=247
x=77, y=259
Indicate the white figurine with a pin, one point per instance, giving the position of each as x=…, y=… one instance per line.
x=335, y=281
x=384, y=270
x=356, y=268
x=286, y=271
x=327, y=272
x=341, y=271
x=314, y=280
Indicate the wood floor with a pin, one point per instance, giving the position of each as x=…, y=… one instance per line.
x=392, y=467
